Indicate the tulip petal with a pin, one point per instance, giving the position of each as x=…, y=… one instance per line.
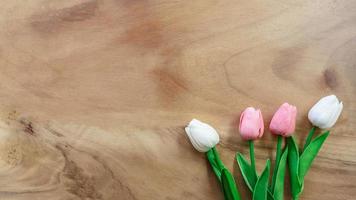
x=250, y=124
x=202, y=136
x=325, y=112
x=283, y=121
x=334, y=116
x=262, y=126
x=194, y=141
x=293, y=116
x=331, y=99
x=241, y=120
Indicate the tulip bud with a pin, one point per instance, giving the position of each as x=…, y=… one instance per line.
x=251, y=124
x=283, y=121
x=202, y=136
x=325, y=112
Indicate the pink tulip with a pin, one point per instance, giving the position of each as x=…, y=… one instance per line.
x=251, y=124
x=283, y=121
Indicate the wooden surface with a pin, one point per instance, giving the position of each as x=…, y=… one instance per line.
x=94, y=94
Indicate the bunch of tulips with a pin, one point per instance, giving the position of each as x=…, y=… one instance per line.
x=322, y=115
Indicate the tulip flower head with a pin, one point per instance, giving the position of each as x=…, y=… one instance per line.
x=251, y=124
x=325, y=112
x=283, y=121
x=202, y=136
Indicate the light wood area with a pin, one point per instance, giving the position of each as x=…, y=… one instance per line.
x=95, y=94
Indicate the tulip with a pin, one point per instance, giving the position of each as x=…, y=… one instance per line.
x=325, y=112
x=251, y=127
x=251, y=124
x=283, y=121
x=282, y=125
x=202, y=136
x=324, y=115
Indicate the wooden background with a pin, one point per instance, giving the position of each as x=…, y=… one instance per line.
x=94, y=94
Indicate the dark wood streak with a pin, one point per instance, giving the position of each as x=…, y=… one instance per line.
x=170, y=84
x=86, y=187
x=51, y=21
x=229, y=78
x=11, y=193
x=122, y=189
x=127, y=191
x=54, y=132
x=81, y=184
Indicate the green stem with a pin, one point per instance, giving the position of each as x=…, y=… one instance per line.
x=252, y=155
x=309, y=138
x=211, y=158
x=217, y=159
x=276, y=163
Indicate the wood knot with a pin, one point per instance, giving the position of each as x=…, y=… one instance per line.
x=330, y=78
x=28, y=126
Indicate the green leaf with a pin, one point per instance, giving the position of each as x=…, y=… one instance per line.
x=309, y=154
x=293, y=164
x=211, y=158
x=229, y=186
x=261, y=187
x=279, y=184
x=269, y=195
x=248, y=174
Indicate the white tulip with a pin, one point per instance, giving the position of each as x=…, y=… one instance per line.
x=202, y=136
x=325, y=112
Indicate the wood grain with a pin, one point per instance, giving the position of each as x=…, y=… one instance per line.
x=94, y=94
